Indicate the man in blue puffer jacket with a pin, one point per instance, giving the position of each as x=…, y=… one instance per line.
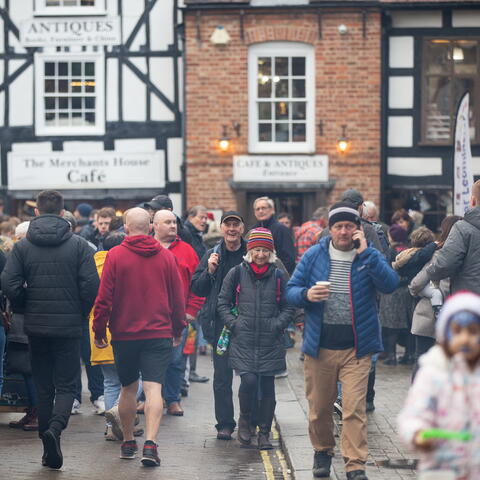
x=341, y=333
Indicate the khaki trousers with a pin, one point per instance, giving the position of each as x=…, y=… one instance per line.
x=321, y=376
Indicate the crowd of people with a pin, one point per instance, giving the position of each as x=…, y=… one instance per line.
x=137, y=296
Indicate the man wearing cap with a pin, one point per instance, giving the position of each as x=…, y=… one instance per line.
x=341, y=333
x=163, y=202
x=207, y=282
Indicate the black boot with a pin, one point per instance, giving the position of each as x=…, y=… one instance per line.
x=390, y=344
x=244, y=420
x=267, y=410
x=322, y=462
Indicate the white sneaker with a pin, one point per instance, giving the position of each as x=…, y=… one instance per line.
x=76, y=407
x=282, y=374
x=113, y=418
x=99, y=405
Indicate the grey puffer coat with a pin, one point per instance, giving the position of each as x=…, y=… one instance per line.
x=256, y=342
x=459, y=258
x=423, y=322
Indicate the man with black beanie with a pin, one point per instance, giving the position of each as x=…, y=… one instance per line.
x=336, y=283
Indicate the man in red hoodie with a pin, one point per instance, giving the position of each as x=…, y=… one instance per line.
x=141, y=299
x=165, y=226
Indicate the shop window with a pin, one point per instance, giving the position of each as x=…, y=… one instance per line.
x=70, y=94
x=281, y=98
x=70, y=7
x=450, y=69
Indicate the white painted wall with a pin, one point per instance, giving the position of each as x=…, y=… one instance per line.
x=21, y=96
x=132, y=10
x=161, y=38
x=476, y=165
x=134, y=97
x=400, y=92
x=135, y=145
x=414, y=166
x=29, y=147
x=466, y=18
x=400, y=131
x=401, y=52
x=83, y=147
x=161, y=74
x=111, y=90
x=175, y=152
x=417, y=19
x=176, y=199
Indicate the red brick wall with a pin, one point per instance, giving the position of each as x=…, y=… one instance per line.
x=348, y=77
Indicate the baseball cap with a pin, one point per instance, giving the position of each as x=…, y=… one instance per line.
x=352, y=195
x=160, y=202
x=231, y=214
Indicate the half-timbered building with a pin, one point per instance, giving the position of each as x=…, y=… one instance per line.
x=90, y=99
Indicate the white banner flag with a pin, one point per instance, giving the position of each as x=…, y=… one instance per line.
x=462, y=164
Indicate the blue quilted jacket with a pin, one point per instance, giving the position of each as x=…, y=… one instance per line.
x=370, y=272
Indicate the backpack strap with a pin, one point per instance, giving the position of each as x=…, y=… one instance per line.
x=236, y=278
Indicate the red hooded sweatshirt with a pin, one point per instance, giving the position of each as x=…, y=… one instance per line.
x=141, y=292
x=188, y=262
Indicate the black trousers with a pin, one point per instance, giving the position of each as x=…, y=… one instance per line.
x=422, y=345
x=94, y=372
x=55, y=368
x=222, y=388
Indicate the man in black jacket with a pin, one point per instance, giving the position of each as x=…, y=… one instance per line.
x=264, y=210
x=207, y=282
x=51, y=274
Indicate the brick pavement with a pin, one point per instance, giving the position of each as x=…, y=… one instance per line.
x=187, y=446
x=392, y=384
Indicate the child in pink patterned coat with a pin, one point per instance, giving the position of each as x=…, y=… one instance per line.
x=446, y=394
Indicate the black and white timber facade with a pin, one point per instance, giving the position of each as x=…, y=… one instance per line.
x=90, y=96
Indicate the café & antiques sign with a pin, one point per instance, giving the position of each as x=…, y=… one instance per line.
x=280, y=168
x=61, y=31
x=60, y=170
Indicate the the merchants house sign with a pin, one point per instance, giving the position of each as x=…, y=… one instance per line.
x=61, y=31
x=280, y=168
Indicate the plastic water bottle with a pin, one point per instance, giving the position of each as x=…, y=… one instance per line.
x=223, y=341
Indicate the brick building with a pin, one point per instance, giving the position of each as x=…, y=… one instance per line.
x=286, y=80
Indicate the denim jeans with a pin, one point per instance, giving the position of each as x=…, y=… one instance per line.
x=175, y=372
x=2, y=352
x=94, y=373
x=31, y=390
x=111, y=386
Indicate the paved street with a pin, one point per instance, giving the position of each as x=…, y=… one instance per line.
x=189, y=449
x=187, y=446
x=389, y=459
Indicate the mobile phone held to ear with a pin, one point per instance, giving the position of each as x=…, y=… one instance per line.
x=356, y=243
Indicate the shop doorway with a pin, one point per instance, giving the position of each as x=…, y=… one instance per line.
x=297, y=204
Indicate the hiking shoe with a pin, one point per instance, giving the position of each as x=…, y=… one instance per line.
x=76, y=407
x=370, y=407
x=113, y=418
x=322, y=462
x=150, y=456
x=109, y=435
x=357, y=475
x=53, y=453
x=99, y=405
x=129, y=449
x=224, y=434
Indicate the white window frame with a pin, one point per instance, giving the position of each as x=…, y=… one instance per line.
x=42, y=9
x=281, y=49
x=99, y=128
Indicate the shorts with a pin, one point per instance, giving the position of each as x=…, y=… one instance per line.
x=149, y=357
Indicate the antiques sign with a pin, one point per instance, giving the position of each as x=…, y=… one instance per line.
x=61, y=31
x=280, y=168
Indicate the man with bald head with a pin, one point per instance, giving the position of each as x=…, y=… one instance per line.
x=141, y=299
x=165, y=227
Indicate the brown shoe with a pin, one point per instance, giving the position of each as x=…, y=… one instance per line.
x=32, y=423
x=175, y=409
x=20, y=423
x=224, y=434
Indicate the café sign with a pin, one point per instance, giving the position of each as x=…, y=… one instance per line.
x=61, y=31
x=280, y=168
x=60, y=170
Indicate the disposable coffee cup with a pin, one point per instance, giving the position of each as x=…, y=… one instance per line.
x=323, y=283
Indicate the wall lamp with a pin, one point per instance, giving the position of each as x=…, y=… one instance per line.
x=224, y=142
x=343, y=144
